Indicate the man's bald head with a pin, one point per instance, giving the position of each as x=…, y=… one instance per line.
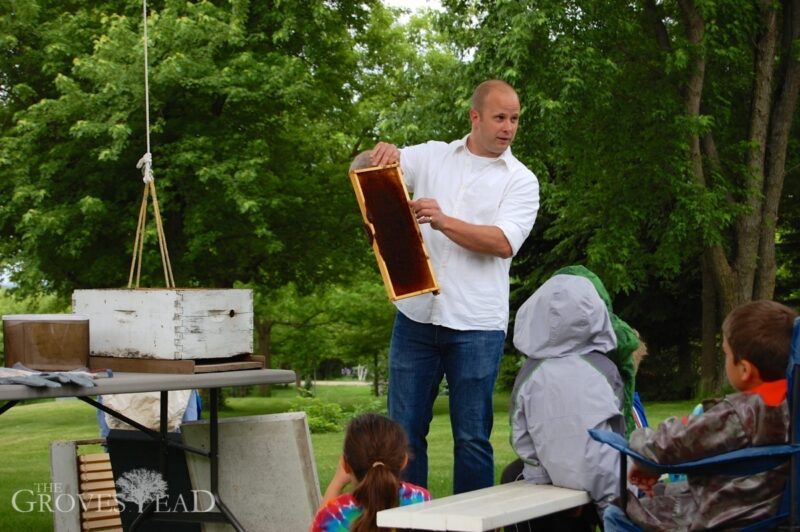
x=494, y=116
x=485, y=88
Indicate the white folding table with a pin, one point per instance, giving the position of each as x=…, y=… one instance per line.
x=161, y=382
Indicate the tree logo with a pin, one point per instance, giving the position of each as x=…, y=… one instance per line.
x=141, y=486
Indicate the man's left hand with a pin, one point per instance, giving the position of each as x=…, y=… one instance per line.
x=427, y=211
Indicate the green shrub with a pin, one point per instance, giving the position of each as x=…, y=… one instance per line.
x=509, y=367
x=322, y=417
x=376, y=404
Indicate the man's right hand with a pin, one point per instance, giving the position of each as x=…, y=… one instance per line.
x=384, y=153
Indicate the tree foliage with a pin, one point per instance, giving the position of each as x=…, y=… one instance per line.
x=661, y=133
x=660, y=130
x=254, y=111
x=349, y=322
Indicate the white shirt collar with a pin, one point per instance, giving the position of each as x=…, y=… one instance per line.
x=506, y=156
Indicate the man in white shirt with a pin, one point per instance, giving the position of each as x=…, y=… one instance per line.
x=476, y=204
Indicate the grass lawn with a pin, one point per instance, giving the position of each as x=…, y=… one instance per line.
x=28, y=429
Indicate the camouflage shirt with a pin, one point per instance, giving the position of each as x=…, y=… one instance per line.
x=710, y=501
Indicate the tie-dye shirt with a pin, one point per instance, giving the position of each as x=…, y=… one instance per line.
x=341, y=512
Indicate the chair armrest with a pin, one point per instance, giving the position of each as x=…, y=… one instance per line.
x=747, y=461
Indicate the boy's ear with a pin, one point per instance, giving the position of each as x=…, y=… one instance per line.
x=750, y=373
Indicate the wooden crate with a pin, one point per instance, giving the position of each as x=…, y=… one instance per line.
x=167, y=323
x=393, y=231
x=46, y=342
x=87, y=498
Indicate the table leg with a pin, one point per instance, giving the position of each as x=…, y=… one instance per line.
x=149, y=511
x=163, y=459
x=213, y=458
x=7, y=405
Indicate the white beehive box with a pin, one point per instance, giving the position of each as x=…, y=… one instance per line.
x=167, y=323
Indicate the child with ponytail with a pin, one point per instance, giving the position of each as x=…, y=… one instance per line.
x=375, y=452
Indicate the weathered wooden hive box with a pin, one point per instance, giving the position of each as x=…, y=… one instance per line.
x=167, y=323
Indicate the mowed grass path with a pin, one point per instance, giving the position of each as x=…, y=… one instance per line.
x=27, y=430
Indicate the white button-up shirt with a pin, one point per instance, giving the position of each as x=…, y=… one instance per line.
x=479, y=190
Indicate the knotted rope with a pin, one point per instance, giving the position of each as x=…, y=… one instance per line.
x=146, y=166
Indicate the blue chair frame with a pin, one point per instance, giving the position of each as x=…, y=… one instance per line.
x=741, y=462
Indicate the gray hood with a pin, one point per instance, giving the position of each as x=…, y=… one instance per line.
x=564, y=317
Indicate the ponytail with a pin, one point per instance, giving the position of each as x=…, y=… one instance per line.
x=376, y=449
x=377, y=491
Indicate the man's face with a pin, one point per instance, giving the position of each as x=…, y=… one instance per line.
x=495, y=125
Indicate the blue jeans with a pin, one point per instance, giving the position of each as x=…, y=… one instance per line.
x=615, y=520
x=419, y=355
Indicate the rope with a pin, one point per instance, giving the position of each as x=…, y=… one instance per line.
x=145, y=164
x=146, y=79
x=136, y=265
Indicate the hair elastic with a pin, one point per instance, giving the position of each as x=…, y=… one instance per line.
x=375, y=464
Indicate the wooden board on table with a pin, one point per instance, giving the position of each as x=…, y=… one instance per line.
x=147, y=365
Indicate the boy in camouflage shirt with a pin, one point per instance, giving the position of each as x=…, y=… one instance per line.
x=756, y=342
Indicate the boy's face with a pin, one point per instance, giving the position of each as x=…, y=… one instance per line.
x=732, y=368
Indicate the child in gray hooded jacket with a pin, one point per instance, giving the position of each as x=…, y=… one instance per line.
x=567, y=386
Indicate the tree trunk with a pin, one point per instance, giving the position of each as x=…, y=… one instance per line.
x=685, y=372
x=264, y=337
x=750, y=271
x=714, y=264
x=376, y=381
x=780, y=127
x=693, y=91
x=709, y=381
x=748, y=224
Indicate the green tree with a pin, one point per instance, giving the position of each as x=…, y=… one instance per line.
x=350, y=322
x=430, y=100
x=660, y=131
x=788, y=242
x=256, y=109
x=253, y=109
x=365, y=319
